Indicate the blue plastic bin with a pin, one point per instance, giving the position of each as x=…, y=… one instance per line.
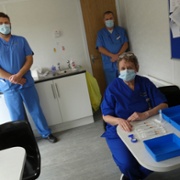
x=172, y=115
x=164, y=147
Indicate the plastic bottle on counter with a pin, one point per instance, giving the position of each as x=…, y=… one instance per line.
x=53, y=70
x=72, y=65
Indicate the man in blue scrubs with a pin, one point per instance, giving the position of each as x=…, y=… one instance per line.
x=16, y=82
x=111, y=42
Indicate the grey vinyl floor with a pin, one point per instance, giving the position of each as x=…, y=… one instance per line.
x=81, y=154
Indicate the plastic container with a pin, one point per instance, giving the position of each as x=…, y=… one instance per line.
x=53, y=70
x=163, y=147
x=172, y=115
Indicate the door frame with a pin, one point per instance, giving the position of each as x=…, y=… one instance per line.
x=83, y=32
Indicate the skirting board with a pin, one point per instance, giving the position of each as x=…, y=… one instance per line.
x=68, y=125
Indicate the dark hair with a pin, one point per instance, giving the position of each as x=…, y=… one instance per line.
x=108, y=12
x=3, y=15
x=129, y=57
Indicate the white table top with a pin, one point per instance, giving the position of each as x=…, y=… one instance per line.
x=142, y=155
x=12, y=162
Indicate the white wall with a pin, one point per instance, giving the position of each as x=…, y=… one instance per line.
x=38, y=19
x=146, y=21
x=147, y=24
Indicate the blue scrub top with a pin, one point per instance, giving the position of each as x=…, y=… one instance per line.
x=12, y=58
x=121, y=101
x=113, y=42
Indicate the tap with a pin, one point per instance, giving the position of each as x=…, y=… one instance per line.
x=58, y=65
x=68, y=62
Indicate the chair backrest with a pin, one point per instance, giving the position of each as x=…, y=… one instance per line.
x=19, y=133
x=172, y=94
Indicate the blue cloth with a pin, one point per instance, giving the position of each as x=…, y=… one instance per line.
x=14, y=100
x=12, y=58
x=121, y=101
x=113, y=42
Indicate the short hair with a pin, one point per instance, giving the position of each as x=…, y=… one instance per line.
x=108, y=12
x=129, y=57
x=3, y=15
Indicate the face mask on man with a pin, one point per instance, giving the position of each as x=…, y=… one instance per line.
x=109, y=23
x=127, y=75
x=5, y=29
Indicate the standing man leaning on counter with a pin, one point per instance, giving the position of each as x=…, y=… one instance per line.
x=111, y=43
x=16, y=82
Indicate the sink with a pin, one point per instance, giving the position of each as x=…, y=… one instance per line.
x=66, y=71
x=58, y=73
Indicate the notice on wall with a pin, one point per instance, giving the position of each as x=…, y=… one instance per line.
x=174, y=11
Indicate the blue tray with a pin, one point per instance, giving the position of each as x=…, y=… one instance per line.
x=164, y=147
x=172, y=115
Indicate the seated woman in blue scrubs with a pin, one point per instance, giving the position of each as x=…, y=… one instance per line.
x=129, y=97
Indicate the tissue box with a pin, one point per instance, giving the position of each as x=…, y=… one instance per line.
x=164, y=147
x=172, y=115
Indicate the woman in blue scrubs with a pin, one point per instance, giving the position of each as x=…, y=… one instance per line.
x=129, y=97
x=16, y=82
x=111, y=42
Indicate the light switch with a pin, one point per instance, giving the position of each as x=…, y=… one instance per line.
x=57, y=33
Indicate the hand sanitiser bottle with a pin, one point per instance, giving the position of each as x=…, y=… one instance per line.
x=53, y=70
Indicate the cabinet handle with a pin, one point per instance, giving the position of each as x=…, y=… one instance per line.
x=52, y=87
x=57, y=90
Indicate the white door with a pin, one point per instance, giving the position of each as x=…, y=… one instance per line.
x=73, y=97
x=4, y=113
x=49, y=102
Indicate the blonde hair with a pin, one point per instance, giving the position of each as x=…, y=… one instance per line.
x=128, y=57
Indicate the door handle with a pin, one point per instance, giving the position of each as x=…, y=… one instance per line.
x=93, y=58
x=57, y=90
x=52, y=87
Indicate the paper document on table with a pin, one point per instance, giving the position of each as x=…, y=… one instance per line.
x=145, y=129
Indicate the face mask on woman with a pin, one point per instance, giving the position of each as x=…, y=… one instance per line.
x=127, y=75
x=5, y=29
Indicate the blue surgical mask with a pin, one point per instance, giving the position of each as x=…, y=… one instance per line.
x=127, y=75
x=109, y=23
x=5, y=29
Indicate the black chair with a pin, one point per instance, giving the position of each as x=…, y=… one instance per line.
x=172, y=94
x=19, y=133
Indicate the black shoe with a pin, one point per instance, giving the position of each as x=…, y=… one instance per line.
x=51, y=138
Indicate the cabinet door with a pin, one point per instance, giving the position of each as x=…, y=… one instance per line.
x=49, y=102
x=73, y=97
x=4, y=113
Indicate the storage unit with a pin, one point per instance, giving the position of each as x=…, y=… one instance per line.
x=172, y=115
x=65, y=102
x=163, y=147
x=4, y=113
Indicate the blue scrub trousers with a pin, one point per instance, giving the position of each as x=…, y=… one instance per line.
x=110, y=74
x=14, y=100
x=126, y=162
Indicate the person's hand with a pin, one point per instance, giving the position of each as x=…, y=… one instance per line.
x=15, y=79
x=22, y=81
x=114, y=57
x=125, y=125
x=138, y=116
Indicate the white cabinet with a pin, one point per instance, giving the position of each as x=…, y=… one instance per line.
x=4, y=113
x=64, y=99
x=73, y=97
x=49, y=102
